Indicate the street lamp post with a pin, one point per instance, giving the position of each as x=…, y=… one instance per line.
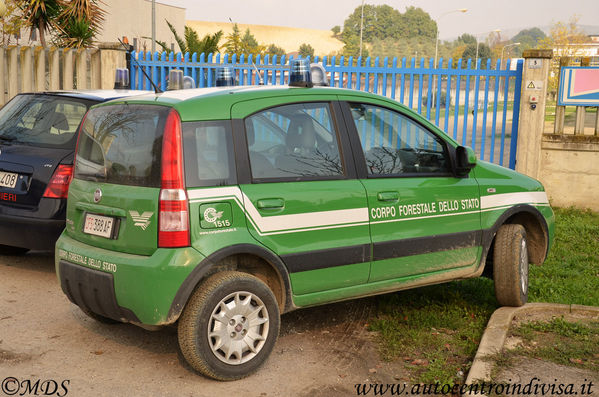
x=437, y=35
x=361, y=27
x=477, y=42
x=504, y=47
x=437, y=43
x=153, y=27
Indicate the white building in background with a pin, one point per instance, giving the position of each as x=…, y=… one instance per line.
x=133, y=19
x=127, y=18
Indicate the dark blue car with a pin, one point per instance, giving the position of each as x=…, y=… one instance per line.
x=38, y=135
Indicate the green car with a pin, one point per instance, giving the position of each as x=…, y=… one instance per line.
x=219, y=209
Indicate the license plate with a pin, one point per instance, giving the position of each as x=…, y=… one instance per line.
x=8, y=179
x=98, y=225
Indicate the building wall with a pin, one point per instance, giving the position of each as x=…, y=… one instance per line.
x=133, y=19
x=569, y=170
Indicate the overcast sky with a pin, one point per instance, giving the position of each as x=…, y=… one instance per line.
x=482, y=15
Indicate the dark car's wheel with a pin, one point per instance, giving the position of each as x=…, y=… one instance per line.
x=229, y=326
x=510, y=266
x=10, y=250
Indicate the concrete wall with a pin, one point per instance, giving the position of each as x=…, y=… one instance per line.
x=570, y=170
x=27, y=69
x=133, y=18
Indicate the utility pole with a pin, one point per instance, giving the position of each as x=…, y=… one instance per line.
x=153, y=27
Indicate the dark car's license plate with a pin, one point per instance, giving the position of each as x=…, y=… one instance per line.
x=8, y=179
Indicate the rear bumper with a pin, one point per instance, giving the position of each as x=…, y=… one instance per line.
x=122, y=286
x=32, y=233
x=93, y=291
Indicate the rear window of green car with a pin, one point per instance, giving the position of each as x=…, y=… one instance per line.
x=122, y=144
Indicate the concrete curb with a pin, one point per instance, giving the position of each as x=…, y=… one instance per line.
x=498, y=326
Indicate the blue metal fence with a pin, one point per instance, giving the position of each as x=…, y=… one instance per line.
x=477, y=105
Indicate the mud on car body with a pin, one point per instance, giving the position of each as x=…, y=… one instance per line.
x=218, y=209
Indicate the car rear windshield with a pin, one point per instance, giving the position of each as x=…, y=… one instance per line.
x=42, y=120
x=122, y=144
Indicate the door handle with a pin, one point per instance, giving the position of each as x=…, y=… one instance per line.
x=271, y=204
x=388, y=196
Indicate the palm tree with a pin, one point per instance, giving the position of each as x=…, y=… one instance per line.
x=78, y=22
x=41, y=14
x=190, y=42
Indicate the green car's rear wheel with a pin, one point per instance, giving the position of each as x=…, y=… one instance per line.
x=229, y=326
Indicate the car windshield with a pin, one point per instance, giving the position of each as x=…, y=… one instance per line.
x=42, y=120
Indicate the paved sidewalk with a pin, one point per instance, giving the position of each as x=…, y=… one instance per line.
x=528, y=370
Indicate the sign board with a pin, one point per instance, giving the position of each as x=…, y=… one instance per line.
x=535, y=63
x=579, y=87
x=534, y=85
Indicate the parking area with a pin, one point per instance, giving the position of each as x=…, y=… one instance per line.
x=321, y=351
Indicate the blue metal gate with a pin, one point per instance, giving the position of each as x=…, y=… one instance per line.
x=476, y=104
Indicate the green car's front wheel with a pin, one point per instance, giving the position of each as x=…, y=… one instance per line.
x=229, y=326
x=510, y=265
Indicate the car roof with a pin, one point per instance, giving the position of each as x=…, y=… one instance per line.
x=94, y=95
x=215, y=103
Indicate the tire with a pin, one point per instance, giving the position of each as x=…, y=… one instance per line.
x=510, y=265
x=10, y=250
x=205, y=341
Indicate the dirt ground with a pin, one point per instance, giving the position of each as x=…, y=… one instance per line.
x=322, y=351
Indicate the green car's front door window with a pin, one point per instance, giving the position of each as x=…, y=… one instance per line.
x=394, y=144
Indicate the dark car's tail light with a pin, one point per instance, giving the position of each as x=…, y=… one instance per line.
x=173, y=219
x=59, y=183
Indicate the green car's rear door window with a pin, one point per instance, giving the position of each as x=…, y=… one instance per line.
x=209, y=154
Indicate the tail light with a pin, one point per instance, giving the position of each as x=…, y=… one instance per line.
x=173, y=219
x=59, y=183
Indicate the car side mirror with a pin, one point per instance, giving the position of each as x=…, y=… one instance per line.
x=465, y=160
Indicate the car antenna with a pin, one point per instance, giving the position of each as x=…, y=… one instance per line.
x=156, y=89
x=258, y=73
x=253, y=64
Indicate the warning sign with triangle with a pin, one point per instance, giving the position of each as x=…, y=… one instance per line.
x=531, y=85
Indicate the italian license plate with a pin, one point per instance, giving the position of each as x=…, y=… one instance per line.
x=98, y=225
x=8, y=179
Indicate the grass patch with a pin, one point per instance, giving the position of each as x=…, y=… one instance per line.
x=570, y=274
x=438, y=328
x=441, y=325
x=561, y=342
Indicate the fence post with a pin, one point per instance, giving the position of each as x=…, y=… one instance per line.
x=39, y=63
x=560, y=111
x=67, y=69
x=81, y=68
x=54, y=68
x=26, y=70
x=2, y=76
x=94, y=65
x=535, y=77
x=13, y=83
